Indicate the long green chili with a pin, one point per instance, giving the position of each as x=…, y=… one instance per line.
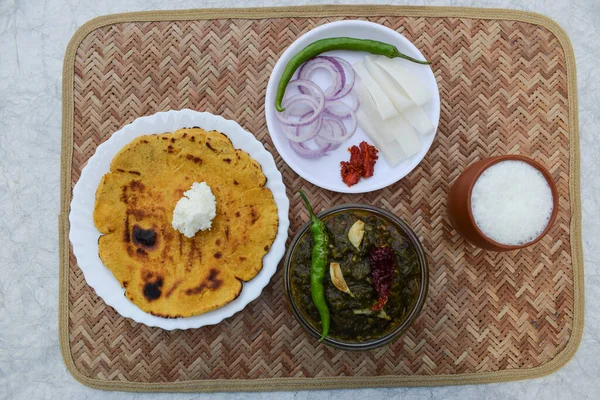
x=336, y=43
x=318, y=266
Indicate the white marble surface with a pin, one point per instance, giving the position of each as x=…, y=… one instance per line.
x=33, y=38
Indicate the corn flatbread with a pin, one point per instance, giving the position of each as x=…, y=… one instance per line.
x=164, y=272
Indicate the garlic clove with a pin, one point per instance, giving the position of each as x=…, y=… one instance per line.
x=335, y=271
x=356, y=233
x=367, y=311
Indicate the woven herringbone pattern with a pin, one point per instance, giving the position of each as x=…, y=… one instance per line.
x=504, y=90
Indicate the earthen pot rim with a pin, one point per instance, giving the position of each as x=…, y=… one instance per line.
x=513, y=157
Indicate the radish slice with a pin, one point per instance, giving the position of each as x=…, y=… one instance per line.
x=384, y=106
x=391, y=151
x=419, y=120
x=396, y=129
x=411, y=84
x=389, y=86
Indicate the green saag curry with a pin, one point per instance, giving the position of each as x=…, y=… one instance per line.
x=352, y=315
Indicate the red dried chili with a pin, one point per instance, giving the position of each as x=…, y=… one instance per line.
x=350, y=173
x=383, y=262
x=361, y=164
x=369, y=158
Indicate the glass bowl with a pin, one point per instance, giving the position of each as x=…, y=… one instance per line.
x=412, y=314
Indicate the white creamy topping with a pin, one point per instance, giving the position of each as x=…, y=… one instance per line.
x=195, y=210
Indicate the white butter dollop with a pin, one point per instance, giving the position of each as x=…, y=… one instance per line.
x=195, y=210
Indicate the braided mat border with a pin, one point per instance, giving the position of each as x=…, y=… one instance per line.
x=507, y=83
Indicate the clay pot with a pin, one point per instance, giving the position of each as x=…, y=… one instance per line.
x=459, y=203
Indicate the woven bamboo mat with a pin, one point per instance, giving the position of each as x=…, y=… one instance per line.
x=507, y=85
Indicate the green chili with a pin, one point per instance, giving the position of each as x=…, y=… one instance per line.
x=336, y=43
x=318, y=266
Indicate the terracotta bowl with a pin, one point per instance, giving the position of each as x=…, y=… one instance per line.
x=459, y=203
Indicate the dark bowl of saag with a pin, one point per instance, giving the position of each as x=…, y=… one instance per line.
x=354, y=325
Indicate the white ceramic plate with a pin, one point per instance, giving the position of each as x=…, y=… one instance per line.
x=84, y=235
x=325, y=171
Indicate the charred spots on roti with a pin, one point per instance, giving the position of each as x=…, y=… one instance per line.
x=170, y=149
x=193, y=138
x=227, y=160
x=237, y=214
x=184, y=135
x=138, y=214
x=124, y=196
x=147, y=275
x=242, y=258
x=124, y=284
x=266, y=248
x=141, y=252
x=193, y=158
x=253, y=215
x=167, y=316
x=218, y=242
x=194, y=254
x=153, y=289
x=210, y=283
x=173, y=140
x=136, y=186
x=172, y=289
x=214, y=283
x=227, y=232
x=126, y=237
x=209, y=146
x=235, y=182
x=145, y=141
x=132, y=172
x=144, y=237
x=217, y=255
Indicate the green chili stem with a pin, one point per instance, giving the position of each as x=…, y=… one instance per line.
x=337, y=43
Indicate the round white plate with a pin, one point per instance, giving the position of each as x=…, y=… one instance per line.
x=84, y=235
x=325, y=171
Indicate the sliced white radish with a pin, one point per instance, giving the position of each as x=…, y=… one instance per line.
x=405, y=134
x=397, y=128
x=412, y=85
x=385, y=108
x=391, y=151
x=390, y=87
x=419, y=120
x=370, y=109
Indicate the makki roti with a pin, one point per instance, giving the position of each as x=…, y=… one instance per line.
x=164, y=272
